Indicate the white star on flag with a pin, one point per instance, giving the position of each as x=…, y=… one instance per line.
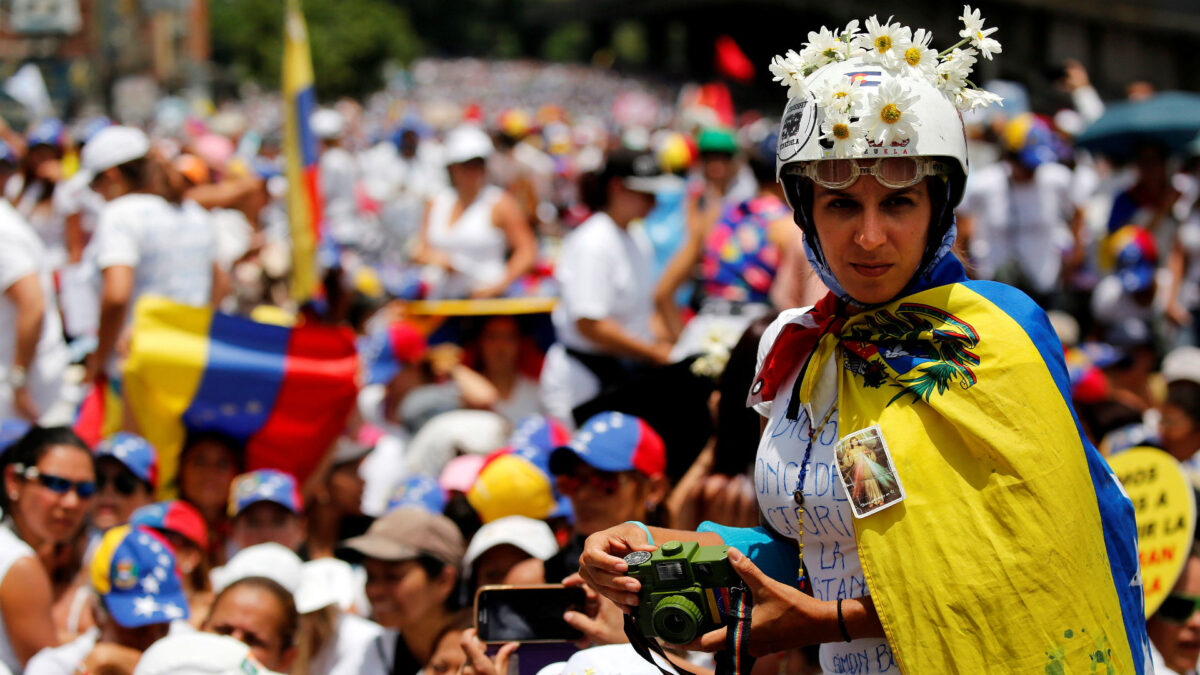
x=172, y=611
x=145, y=606
x=150, y=585
x=164, y=559
x=161, y=573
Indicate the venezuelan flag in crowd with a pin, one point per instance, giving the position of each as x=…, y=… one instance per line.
x=300, y=151
x=283, y=392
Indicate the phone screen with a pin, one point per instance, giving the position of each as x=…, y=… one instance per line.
x=526, y=613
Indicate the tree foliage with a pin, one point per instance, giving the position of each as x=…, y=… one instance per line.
x=350, y=41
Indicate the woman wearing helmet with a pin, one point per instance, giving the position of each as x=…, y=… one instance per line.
x=918, y=447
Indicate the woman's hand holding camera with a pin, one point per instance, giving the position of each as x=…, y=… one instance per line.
x=603, y=568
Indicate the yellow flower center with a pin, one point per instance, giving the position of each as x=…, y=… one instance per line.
x=840, y=94
x=841, y=131
x=890, y=113
x=883, y=43
x=913, y=56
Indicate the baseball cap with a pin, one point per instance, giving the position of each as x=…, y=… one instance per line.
x=716, y=139
x=535, y=437
x=386, y=351
x=1133, y=256
x=613, y=441
x=195, y=653
x=176, y=516
x=264, y=485
x=133, y=571
x=47, y=132
x=510, y=485
x=465, y=143
x=111, y=147
x=639, y=171
x=531, y=536
x=420, y=491
x=273, y=561
x=327, y=123
x=325, y=582
x=408, y=533
x=348, y=449
x=135, y=453
x=460, y=473
x=1182, y=364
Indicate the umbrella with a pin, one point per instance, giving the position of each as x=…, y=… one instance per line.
x=1171, y=118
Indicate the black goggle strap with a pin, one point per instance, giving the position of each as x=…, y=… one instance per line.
x=734, y=660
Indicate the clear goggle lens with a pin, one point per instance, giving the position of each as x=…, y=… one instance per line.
x=891, y=172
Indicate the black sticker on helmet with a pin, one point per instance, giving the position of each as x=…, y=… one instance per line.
x=799, y=121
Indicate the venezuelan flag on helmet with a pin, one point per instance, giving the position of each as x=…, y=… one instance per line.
x=1015, y=549
x=300, y=151
x=283, y=392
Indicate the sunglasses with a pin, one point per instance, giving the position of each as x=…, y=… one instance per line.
x=57, y=484
x=891, y=172
x=600, y=481
x=1178, y=607
x=124, y=483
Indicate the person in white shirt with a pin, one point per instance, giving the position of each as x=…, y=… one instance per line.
x=1019, y=215
x=603, y=320
x=33, y=354
x=468, y=230
x=1174, y=628
x=144, y=243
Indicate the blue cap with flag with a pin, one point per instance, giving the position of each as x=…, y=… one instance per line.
x=135, y=453
x=134, y=573
x=264, y=485
x=422, y=492
x=613, y=441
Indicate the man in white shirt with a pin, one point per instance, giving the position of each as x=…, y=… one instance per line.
x=33, y=354
x=144, y=244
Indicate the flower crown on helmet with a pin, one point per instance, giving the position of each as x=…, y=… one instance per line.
x=852, y=118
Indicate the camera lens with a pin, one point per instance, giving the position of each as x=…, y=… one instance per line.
x=677, y=619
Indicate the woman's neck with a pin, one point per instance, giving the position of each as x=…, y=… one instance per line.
x=468, y=193
x=422, y=635
x=44, y=549
x=622, y=220
x=504, y=379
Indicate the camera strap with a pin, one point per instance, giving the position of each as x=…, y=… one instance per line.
x=735, y=659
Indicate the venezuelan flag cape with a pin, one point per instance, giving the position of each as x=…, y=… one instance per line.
x=283, y=392
x=1015, y=550
x=300, y=152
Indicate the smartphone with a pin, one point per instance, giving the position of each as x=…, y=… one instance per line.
x=527, y=613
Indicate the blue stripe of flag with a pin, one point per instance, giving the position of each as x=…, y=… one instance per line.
x=1116, y=511
x=306, y=103
x=241, y=379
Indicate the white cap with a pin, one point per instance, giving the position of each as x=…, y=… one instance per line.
x=325, y=582
x=1182, y=364
x=327, y=123
x=113, y=147
x=198, y=654
x=465, y=143
x=618, y=659
x=273, y=561
x=531, y=536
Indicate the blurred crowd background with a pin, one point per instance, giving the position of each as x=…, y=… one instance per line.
x=467, y=166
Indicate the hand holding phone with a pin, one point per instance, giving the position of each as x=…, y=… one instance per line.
x=527, y=613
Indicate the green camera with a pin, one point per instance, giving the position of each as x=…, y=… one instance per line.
x=681, y=596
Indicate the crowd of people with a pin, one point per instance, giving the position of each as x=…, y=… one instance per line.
x=676, y=238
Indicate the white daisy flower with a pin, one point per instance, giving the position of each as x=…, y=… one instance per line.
x=920, y=60
x=823, y=47
x=789, y=71
x=842, y=94
x=974, y=31
x=970, y=98
x=849, y=139
x=890, y=115
x=883, y=38
x=849, y=32
x=954, y=69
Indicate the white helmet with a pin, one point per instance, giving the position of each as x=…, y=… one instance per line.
x=880, y=94
x=935, y=130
